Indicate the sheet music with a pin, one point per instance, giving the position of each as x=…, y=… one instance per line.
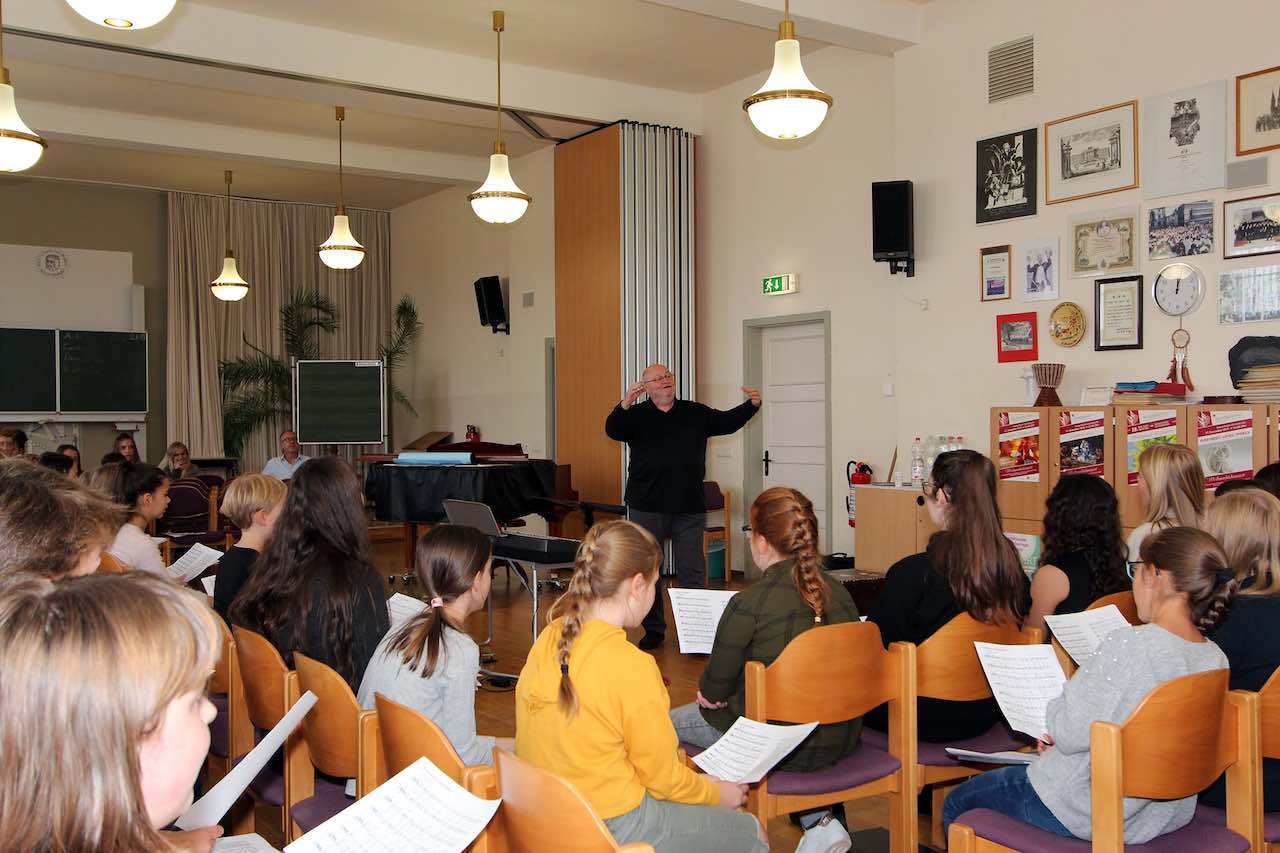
x=1081, y=633
x=419, y=810
x=159, y=540
x=697, y=613
x=243, y=844
x=1024, y=680
x=991, y=757
x=401, y=608
x=208, y=584
x=750, y=749
x=210, y=808
x=198, y=558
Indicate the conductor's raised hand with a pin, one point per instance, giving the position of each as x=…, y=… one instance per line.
x=633, y=394
x=753, y=394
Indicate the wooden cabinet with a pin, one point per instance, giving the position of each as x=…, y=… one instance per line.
x=1081, y=441
x=1230, y=439
x=1137, y=428
x=1019, y=447
x=891, y=525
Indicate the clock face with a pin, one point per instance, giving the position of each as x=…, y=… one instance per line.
x=1178, y=289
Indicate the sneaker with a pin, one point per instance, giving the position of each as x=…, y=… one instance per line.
x=827, y=837
x=650, y=642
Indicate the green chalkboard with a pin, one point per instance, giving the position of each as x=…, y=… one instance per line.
x=28, y=371
x=102, y=372
x=339, y=402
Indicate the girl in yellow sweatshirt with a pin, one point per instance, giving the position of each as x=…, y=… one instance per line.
x=592, y=708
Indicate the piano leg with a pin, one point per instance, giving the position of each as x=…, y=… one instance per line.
x=410, y=542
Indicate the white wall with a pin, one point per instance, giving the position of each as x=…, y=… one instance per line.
x=1089, y=54
x=768, y=207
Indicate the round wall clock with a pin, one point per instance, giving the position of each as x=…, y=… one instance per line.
x=1178, y=289
x=1066, y=324
x=51, y=261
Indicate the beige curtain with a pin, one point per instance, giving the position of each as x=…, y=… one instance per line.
x=275, y=247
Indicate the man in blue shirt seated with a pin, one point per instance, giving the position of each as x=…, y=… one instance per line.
x=290, y=459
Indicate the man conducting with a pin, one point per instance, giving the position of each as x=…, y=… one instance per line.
x=668, y=440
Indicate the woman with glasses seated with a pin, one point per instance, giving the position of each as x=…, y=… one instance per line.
x=969, y=567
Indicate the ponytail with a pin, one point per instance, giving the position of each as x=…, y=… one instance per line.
x=1198, y=566
x=785, y=518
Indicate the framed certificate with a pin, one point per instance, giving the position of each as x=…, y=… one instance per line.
x=993, y=272
x=1104, y=243
x=1117, y=313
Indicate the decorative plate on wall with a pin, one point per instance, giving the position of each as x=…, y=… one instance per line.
x=1067, y=324
x=51, y=261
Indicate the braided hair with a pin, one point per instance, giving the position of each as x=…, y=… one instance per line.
x=611, y=553
x=1198, y=566
x=785, y=518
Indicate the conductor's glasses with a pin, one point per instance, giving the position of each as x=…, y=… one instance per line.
x=663, y=378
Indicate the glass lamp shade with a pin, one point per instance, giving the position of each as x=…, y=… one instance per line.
x=342, y=251
x=499, y=200
x=124, y=14
x=229, y=286
x=788, y=105
x=20, y=146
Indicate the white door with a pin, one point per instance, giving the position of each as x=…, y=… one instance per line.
x=795, y=413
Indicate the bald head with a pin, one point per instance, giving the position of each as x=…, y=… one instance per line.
x=660, y=385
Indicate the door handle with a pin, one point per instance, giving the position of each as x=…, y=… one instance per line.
x=766, y=462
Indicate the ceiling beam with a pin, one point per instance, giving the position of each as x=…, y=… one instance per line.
x=875, y=26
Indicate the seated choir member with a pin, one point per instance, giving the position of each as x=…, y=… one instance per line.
x=592, y=708
x=74, y=452
x=103, y=711
x=1268, y=477
x=56, y=462
x=126, y=447
x=1182, y=587
x=430, y=663
x=1084, y=549
x=1247, y=523
x=794, y=595
x=253, y=502
x=51, y=525
x=969, y=566
x=13, y=443
x=1226, y=487
x=104, y=479
x=314, y=588
x=111, y=457
x=177, y=462
x=144, y=491
x=1171, y=485
x=282, y=467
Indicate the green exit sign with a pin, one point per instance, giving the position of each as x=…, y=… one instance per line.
x=776, y=285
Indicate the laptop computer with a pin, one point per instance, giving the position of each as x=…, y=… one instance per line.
x=517, y=546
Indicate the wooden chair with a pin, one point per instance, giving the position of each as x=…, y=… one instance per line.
x=715, y=499
x=341, y=741
x=539, y=812
x=231, y=733
x=407, y=735
x=832, y=674
x=110, y=564
x=1176, y=742
x=1269, y=738
x=1128, y=609
x=270, y=689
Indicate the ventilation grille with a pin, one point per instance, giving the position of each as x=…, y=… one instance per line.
x=1011, y=69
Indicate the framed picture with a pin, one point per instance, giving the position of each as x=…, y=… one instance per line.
x=1258, y=111
x=1249, y=295
x=1038, y=270
x=1016, y=337
x=1180, y=230
x=1006, y=177
x=1104, y=243
x=1184, y=141
x=1251, y=226
x=1117, y=313
x=1091, y=153
x=994, y=263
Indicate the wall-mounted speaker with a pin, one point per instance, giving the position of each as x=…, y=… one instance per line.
x=493, y=311
x=892, y=226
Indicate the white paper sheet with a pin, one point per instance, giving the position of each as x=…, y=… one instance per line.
x=243, y=844
x=697, y=613
x=1024, y=680
x=1081, y=633
x=401, y=608
x=991, y=757
x=419, y=810
x=208, y=584
x=210, y=808
x=198, y=558
x=750, y=749
x=159, y=540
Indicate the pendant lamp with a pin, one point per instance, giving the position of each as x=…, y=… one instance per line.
x=124, y=14
x=229, y=286
x=788, y=105
x=342, y=251
x=20, y=146
x=499, y=200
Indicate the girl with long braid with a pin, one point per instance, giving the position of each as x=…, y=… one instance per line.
x=794, y=595
x=592, y=708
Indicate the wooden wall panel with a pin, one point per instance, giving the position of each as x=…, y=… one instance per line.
x=588, y=310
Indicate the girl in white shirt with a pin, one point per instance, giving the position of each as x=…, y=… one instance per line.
x=144, y=490
x=1171, y=484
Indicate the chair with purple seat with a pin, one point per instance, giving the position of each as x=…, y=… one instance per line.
x=230, y=733
x=1179, y=739
x=191, y=517
x=1269, y=739
x=831, y=674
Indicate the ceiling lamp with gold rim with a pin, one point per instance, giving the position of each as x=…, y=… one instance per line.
x=499, y=200
x=342, y=251
x=124, y=14
x=788, y=105
x=20, y=146
x=229, y=286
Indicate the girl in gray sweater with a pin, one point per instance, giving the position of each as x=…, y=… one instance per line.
x=1182, y=588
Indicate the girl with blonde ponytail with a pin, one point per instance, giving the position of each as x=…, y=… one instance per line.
x=794, y=595
x=592, y=708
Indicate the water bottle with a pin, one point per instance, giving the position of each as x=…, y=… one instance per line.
x=959, y=442
x=931, y=451
x=917, y=462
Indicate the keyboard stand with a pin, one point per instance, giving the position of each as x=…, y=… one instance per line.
x=527, y=571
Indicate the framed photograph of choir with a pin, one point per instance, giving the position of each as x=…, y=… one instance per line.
x=1184, y=141
x=994, y=264
x=1117, y=313
x=1016, y=337
x=1037, y=270
x=1251, y=226
x=1104, y=243
x=1091, y=153
x=1006, y=176
x=1180, y=230
x=1258, y=111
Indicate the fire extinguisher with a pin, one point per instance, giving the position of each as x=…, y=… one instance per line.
x=859, y=474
